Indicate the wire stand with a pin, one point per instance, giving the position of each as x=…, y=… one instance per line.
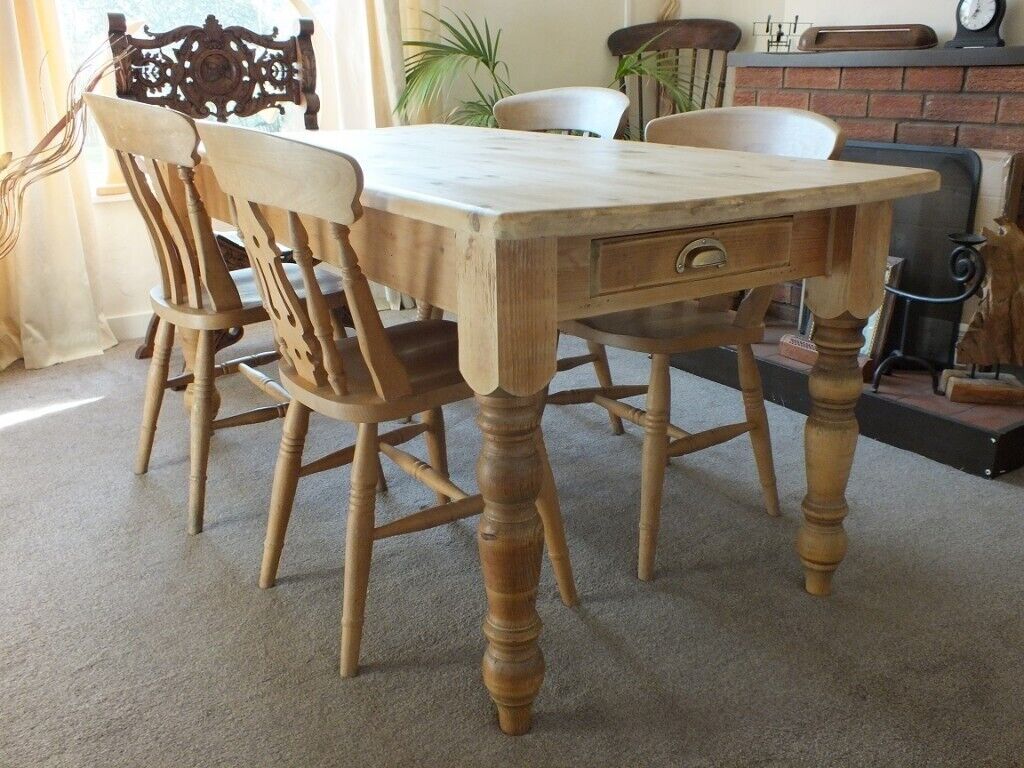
x=967, y=268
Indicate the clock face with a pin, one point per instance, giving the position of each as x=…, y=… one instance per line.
x=976, y=14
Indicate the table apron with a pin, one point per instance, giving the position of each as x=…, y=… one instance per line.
x=422, y=260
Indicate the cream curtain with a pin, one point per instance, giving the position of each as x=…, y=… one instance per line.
x=48, y=312
x=360, y=59
x=361, y=73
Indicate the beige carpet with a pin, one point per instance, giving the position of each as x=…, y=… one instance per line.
x=124, y=642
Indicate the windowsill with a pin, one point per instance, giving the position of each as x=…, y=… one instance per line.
x=119, y=197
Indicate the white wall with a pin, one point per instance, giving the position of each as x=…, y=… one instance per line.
x=550, y=43
x=123, y=269
x=562, y=42
x=938, y=14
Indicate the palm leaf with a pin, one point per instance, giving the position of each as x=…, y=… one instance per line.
x=476, y=113
x=479, y=112
x=664, y=70
x=437, y=66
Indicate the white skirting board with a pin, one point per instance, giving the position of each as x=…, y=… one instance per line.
x=126, y=327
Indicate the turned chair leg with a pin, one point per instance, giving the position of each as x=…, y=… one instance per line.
x=382, y=482
x=155, y=386
x=653, y=464
x=550, y=512
x=604, y=378
x=760, y=438
x=358, y=546
x=437, y=447
x=203, y=409
x=282, y=497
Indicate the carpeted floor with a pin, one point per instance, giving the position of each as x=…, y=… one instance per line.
x=124, y=642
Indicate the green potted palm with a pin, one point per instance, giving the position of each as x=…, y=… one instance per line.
x=464, y=50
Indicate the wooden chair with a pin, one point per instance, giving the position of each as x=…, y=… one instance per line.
x=157, y=151
x=380, y=374
x=219, y=72
x=594, y=112
x=695, y=50
x=688, y=326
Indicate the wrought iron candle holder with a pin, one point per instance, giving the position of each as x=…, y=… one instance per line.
x=779, y=34
x=967, y=269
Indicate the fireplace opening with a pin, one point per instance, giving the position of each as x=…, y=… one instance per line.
x=920, y=237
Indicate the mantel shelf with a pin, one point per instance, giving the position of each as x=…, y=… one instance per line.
x=931, y=57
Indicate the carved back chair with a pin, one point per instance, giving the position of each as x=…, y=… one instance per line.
x=694, y=50
x=380, y=374
x=594, y=112
x=157, y=150
x=219, y=72
x=689, y=326
x=216, y=71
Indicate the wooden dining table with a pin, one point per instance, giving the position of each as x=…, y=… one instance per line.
x=513, y=232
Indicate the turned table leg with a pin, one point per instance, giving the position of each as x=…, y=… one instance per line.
x=830, y=439
x=841, y=301
x=511, y=537
x=508, y=305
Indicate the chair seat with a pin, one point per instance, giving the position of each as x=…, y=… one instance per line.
x=232, y=250
x=429, y=351
x=668, y=329
x=251, y=310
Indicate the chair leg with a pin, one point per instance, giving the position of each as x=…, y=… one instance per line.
x=760, y=438
x=550, y=512
x=358, y=546
x=604, y=378
x=437, y=447
x=286, y=478
x=145, y=349
x=155, y=386
x=382, y=482
x=203, y=409
x=653, y=468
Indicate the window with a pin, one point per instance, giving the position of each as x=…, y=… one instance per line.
x=84, y=25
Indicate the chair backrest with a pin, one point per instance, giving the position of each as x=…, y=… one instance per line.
x=259, y=169
x=775, y=131
x=156, y=149
x=216, y=71
x=591, y=111
x=695, y=50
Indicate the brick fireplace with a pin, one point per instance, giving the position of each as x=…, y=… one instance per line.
x=971, y=98
x=950, y=101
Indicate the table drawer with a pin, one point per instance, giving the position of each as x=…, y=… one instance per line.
x=629, y=263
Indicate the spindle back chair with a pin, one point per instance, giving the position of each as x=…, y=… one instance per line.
x=380, y=374
x=157, y=151
x=778, y=131
x=594, y=112
x=693, y=51
x=689, y=326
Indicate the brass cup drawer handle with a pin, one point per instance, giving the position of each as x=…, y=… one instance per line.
x=700, y=254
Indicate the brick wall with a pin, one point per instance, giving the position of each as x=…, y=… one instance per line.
x=981, y=107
